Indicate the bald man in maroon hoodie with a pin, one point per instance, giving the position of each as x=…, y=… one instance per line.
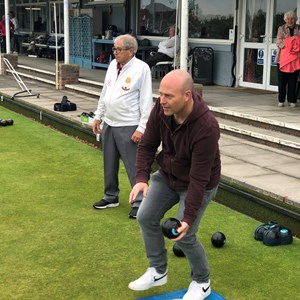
x=188, y=175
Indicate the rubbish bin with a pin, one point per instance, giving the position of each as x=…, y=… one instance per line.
x=202, y=67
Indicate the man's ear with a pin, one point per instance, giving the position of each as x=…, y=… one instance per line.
x=188, y=95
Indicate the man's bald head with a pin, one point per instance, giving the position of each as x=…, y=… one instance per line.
x=179, y=79
x=176, y=94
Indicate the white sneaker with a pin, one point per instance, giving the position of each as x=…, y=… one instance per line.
x=197, y=291
x=150, y=279
x=280, y=104
x=292, y=104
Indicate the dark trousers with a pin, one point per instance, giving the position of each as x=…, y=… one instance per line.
x=3, y=45
x=287, y=85
x=154, y=59
x=15, y=45
x=116, y=145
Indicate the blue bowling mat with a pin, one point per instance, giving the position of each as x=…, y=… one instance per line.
x=177, y=295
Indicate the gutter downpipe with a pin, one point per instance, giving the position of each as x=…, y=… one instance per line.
x=233, y=69
x=56, y=45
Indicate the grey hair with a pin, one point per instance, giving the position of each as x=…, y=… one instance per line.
x=290, y=13
x=175, y=28
x=128, y=41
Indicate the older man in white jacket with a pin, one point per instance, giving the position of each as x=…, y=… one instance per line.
x=123, y=108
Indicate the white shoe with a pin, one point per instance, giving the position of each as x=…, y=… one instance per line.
x=197, y=291
x=280, y=104
x=292, y=104
x=150, y=279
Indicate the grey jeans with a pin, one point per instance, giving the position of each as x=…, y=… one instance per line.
x=159, y=200
x=116, y=145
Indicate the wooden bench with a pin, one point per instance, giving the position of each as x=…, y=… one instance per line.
x=28, y=41
x=51, y=50
x=47, y=49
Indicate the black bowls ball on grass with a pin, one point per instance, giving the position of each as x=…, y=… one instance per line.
x=177, y=251
x=9, y=122
x=218, y=239
x=259, y=231
x=169, y=228
x=3, y=122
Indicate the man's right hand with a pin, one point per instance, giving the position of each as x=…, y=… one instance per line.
x=139, y=187
x=96, y=126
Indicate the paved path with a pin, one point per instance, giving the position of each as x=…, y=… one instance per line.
x=268, y=170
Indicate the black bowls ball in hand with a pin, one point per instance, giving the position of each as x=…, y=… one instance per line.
x=218, y=239
x=169, y=228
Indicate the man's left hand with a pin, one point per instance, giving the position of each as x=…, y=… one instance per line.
x=182, y=230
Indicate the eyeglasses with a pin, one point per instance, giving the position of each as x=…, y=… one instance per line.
x=114, y=49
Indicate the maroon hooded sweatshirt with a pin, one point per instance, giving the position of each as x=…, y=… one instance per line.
x=190, y=156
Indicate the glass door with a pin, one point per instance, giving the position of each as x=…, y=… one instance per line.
x=260, y=21
x=254, y=43
x=279, y=8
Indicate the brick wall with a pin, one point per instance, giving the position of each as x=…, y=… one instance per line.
x=67, y=74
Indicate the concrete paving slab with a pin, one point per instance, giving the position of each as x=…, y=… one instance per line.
x=242, y=171
x=226, y=160
x=239, y=151
x=287, y=189
x=288, y=167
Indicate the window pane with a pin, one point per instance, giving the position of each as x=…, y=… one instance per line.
x=211, y=19
x=255, y=21
x=155, y=17
x=207, y=18
x=29, y=15
x=253, y=71
x=23, y=16
x=59, y=17
x=274, y=76
x=281, y=7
